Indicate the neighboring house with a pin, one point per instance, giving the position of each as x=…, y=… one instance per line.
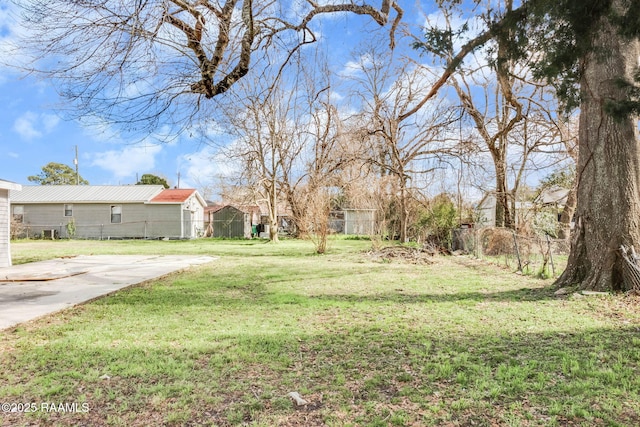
x=5, y=221
x=353, y=221
x=486, y=211
x=230, y=221
x=109, y=212
x=554, y=198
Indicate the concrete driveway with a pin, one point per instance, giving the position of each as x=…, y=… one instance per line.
x=29, y=291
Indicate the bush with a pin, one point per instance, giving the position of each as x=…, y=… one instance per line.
x=436, y=222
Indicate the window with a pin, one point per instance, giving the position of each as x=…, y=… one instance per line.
x=68, y=210
x=18, y=213
x=116, y=214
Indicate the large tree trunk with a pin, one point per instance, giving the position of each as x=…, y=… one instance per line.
x=608, y=207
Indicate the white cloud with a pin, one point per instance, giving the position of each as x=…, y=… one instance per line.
x=25, y=126
x=207, y=164
x=99, y=129
x=355, y=67
x=31, y=125
x=127, y=162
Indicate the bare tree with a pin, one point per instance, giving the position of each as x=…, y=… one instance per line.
x=569, y=130
x=142, y=62
x=309, y=180
x=268, y=144
x=399, y=146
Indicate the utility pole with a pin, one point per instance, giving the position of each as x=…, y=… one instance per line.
x=75, y=162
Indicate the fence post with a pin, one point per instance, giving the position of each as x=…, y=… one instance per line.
x=515, y=244
x=553, y=267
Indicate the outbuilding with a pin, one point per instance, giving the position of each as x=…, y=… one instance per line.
x=5, y=221
x=230, y=221
x=353, y=221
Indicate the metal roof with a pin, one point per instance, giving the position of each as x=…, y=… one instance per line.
x=554, y=195
x=85, y=193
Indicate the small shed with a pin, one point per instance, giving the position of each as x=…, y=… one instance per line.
x=353, y=221
x=229, y=221
x=5, y=221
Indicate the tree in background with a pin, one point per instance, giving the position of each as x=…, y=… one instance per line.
x=57, y=174
x=268, y=144
x=404, y=148
x=321, y=161
x=150, y=179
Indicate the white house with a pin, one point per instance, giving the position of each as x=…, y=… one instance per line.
x=5, y=221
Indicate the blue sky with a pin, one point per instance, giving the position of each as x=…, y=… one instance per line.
x=34, y=130
x=33, y=133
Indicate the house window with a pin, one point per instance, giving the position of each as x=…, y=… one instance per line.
x=18, y=213
x=116, y=214
x=68, y=210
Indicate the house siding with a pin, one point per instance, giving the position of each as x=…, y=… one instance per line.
x=163, y=221
x=5, y=227
x=93, y=221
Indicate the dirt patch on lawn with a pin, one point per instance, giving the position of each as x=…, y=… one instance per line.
x=402, y=254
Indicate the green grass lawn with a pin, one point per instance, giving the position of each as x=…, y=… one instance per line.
x=366, y=341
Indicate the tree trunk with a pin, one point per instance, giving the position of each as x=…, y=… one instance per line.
x=608, y=207
x=504, y=217
x=404, y=211
x=273, y=210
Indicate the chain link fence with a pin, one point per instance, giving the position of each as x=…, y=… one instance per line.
x=536, y=255
x=99, y=231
